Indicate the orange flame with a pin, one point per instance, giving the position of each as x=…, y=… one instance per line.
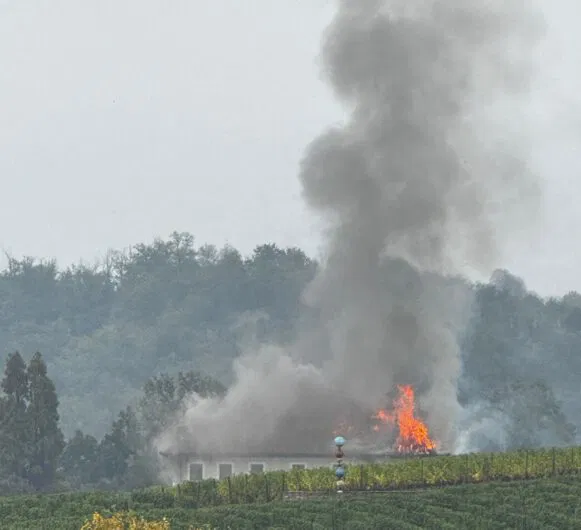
x=413, y=432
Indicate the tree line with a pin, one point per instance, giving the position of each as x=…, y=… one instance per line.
x=124, y=335
x=34, y=455
x=161, y=307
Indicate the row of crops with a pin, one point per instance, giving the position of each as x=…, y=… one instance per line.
x=250, y=501
x=396, y=475
x=542, y=504
x=549, y=504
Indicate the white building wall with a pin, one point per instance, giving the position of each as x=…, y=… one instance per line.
x=211, y=467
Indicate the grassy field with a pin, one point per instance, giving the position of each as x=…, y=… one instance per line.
x=536, y=504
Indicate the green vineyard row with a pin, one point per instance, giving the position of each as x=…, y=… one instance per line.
x=395, y=475
x=250, y=501
x=542, y=504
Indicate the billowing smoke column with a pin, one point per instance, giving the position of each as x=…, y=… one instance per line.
x=422, y=172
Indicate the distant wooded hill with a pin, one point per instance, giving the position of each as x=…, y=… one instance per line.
x=171, y=306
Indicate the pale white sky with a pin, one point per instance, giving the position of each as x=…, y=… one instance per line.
x=124, y=120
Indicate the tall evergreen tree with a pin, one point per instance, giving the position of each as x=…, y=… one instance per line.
x=118, y=446
x=79, y=459
x=46, y=440
x=13, y=420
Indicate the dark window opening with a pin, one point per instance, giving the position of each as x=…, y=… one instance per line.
x=196, y=472
x=224, y=471
x=255, y=469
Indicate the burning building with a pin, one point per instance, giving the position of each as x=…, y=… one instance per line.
x=388, y=433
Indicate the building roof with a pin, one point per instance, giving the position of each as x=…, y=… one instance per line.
x=261, y=455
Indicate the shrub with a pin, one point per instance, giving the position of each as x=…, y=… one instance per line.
x=124, y=521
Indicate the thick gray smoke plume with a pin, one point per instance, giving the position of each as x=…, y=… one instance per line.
x=423, y=171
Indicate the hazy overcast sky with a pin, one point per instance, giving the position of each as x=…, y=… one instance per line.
x=124, y=120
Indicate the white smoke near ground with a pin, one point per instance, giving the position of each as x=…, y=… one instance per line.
x=480, y=429
x=430, y=171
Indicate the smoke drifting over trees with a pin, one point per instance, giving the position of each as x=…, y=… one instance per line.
x=169, y=306
x=414, y=174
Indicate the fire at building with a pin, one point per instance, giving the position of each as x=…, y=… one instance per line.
x=397, y=429
x=412, y=433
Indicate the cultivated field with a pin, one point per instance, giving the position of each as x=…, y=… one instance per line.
x=537, y=504
x=411, y=498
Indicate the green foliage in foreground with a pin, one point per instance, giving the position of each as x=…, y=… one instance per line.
x=542, y=504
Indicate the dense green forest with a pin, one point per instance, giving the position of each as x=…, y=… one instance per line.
x=126, y=340
x=159, y=308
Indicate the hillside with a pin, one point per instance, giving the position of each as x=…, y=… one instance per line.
x=169, y=305
x=156, y=308
x=152, y=324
